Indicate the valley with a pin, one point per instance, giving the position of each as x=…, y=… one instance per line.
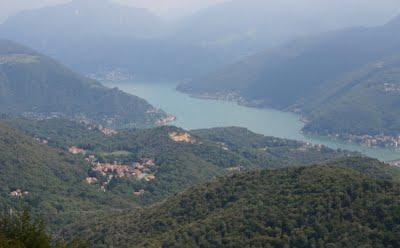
x=193, y=113
x=246, y=123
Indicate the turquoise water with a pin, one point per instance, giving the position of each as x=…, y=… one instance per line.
x=195, y=113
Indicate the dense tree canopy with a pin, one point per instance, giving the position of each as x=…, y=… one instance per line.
x=348, y=203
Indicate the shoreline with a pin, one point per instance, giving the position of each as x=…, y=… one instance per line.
x=367, y=141
x=159, y=93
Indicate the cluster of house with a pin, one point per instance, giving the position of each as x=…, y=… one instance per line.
x=18, y=59
x=139, y=192
x=391, y=87
x=395, y=163
x=182, y=137
x=107, y=131
x=76, y=150
x=43, y=116
x=42, y=141
x=165, y=120
x=142, y=170
x=308, y=145
x=238, y=168
x=228, y=96
x=223, y=146
x=376, y=140
x=18, y=193
x=115, y=75
x=138, y=170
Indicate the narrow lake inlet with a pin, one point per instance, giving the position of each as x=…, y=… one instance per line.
x=195, y=113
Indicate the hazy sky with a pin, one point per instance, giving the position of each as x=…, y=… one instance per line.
x=170, y=8
x=165, y=8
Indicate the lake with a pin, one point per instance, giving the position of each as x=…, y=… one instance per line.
x=195, y=113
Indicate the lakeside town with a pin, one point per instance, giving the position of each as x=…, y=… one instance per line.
x=395, y=163
x=113, y=75
x=228, y=96
x=383, y=141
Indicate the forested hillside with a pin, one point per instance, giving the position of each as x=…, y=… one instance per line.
x=48, y=180
x=346, y=203
x=344, y=82
x=21, y=229
x=170, y=159
x=366, y=101
x=100, y=187
x=34, y=85
x=290, y=75
x=85, y=165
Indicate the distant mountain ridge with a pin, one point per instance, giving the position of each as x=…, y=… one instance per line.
x=244, y=27
x=33, y=84
x=365, y=101
x=282, y=77
x=82, y=17
x=296, y=75
x=102, y=36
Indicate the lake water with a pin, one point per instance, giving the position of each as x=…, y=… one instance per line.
x=195, y=113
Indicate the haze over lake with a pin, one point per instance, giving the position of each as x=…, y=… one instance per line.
x=195, y=113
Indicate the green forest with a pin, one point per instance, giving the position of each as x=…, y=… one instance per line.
x=352, y=202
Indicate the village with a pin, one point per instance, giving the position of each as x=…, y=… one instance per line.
x=18, y=193
x=182, y=137
x=306, y=146
x=372, y=140
x=391, y=87
x=103, y=173
x=116, y=75
x=395, y=163
x=164, y=121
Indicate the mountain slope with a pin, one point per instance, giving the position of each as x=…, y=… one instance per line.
x=83, y=17
x=288, y=76
x=366, y=101
x=33, y=84
x=243, y=27
x=53, y=180
x=338, y=204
